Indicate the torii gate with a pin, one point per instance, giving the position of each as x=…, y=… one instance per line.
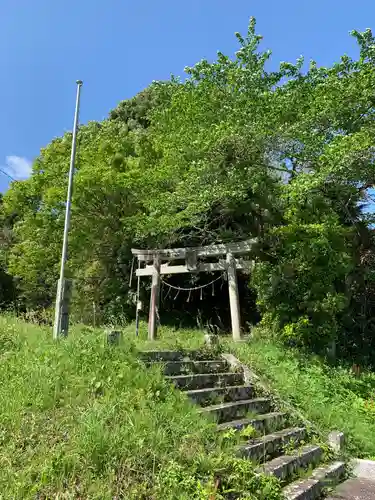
x=192, y=264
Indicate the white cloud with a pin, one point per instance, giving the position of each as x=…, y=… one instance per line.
x=18, y=167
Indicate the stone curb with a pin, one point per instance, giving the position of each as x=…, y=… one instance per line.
x=251, y=377
x=335, y=439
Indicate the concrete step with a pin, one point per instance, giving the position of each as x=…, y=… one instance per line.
x=224, y=412
x=164, y=356
x=266, y=423
x=190, y=367
x=270, y=445
x=313, y=487
x=204, y=380
x=207, y=396
x=284, y=466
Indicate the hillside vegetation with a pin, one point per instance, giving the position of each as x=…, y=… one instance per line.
x=231, y=152
x=330, y=397
x=81, y=420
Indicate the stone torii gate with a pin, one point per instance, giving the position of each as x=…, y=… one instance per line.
x=150, y=263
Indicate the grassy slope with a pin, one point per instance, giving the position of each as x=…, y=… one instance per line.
x=331, y=397
x=79, y=420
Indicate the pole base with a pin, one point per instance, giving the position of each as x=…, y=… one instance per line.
x=61, y=325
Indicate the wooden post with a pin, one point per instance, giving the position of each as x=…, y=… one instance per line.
x=234, y=301
x=154, y=299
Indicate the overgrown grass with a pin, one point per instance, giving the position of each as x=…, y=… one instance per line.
x=79, y=419
x=333, y=398
x=167, y=338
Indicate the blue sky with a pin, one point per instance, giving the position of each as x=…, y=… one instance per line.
x=118, y=47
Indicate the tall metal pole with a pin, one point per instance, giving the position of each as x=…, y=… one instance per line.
x=60, y=327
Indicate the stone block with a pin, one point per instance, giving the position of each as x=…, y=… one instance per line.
x=113, y=337
x=336, y=440
x=211, y=340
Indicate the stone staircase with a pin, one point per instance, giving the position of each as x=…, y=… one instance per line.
x=273, y=439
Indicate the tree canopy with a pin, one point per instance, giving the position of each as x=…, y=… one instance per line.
x=230, y=152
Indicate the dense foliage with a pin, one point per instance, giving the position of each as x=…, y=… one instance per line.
x=231, y=152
